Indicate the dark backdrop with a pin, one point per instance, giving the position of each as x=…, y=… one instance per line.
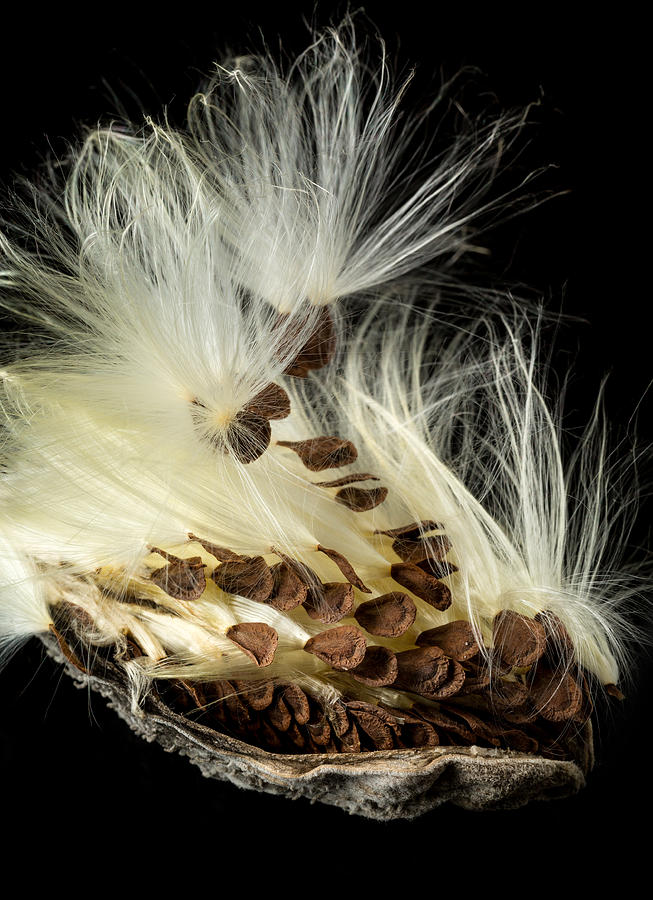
x=65, y=758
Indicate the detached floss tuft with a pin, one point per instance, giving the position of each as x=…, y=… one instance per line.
x=291, y=510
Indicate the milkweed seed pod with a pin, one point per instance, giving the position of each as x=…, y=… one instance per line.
x=290, y=521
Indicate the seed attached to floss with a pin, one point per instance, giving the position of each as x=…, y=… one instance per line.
x=322, y=453
x=361, y=499
x=318, y=349
x=390, y=615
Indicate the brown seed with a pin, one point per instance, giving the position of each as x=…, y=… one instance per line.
x=270, y=737
x=414, y=551
x=389, y=615
x=555, y=694
x=248, y=436
x=446, y=721
x=317, y=350
x=378, y=668
x=279, y=715
x=248, y=577
x=361, y=499
x=295, y=698
x=451, y=685
x=256, y=639
x=295, y=737
x=422, y=670
x=257, y=694
x=318, y=728
x=482, y=728
x=455, y=639
x=346, y=479
x=331, y=603
x=345, y=567
x=420, y=735
x=373, y=722
x=350, y=741
x=437, y=568
x=340, y=722
x=270, y=403
x=288, y=590
x=507, y=696
x=559, y=645
x=614, y=691
x=422, y=584
x=238, y=714
x=520, y=641
x=385, y=713
x=413, y=530
x=183, y=579
x=222, y=554
x=342, y=647
x=320, y=453
x=66, y=650
x=413, y=731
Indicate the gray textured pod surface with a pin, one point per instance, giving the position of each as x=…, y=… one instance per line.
x=379, y=785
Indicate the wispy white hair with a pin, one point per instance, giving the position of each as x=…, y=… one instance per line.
x=329, y=192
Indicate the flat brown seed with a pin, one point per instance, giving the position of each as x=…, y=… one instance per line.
x=279, y=715
x=420, y=735
x=437, y=568
x=270, y=403
x=378, y=668
x=271, y=738
x=346, y=479
x=350, y=741
x=555, y=695
x=332, y=603
x=257, y=694
x=421, y=670
x=389, y=615
x=295, y=698
x=248, y=436
x=508, y=695
x=361, y=499
x=451, y=685
x=66, y=650
x=339, y=719
x=413, y=530
x=319, y=729
x=248, y=577
x=455, y=639
x=183, y=579
x=378, y=733
x=288, y=590
x=520, y=641
x=342, y=647
x=317, y=350
x=256, y=639
x=423, y=585
x=414, y=551
x=345, y=567
x=320, y=453
x=222, y=554
x=559, y=645
x=614, y=691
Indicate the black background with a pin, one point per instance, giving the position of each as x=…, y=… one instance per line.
x=67, y=759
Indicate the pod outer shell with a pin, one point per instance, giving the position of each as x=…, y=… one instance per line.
x=383, y=785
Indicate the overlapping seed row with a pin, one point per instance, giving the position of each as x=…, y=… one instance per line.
x=524, y=692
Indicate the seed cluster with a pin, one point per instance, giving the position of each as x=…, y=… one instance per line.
x=524, y=691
